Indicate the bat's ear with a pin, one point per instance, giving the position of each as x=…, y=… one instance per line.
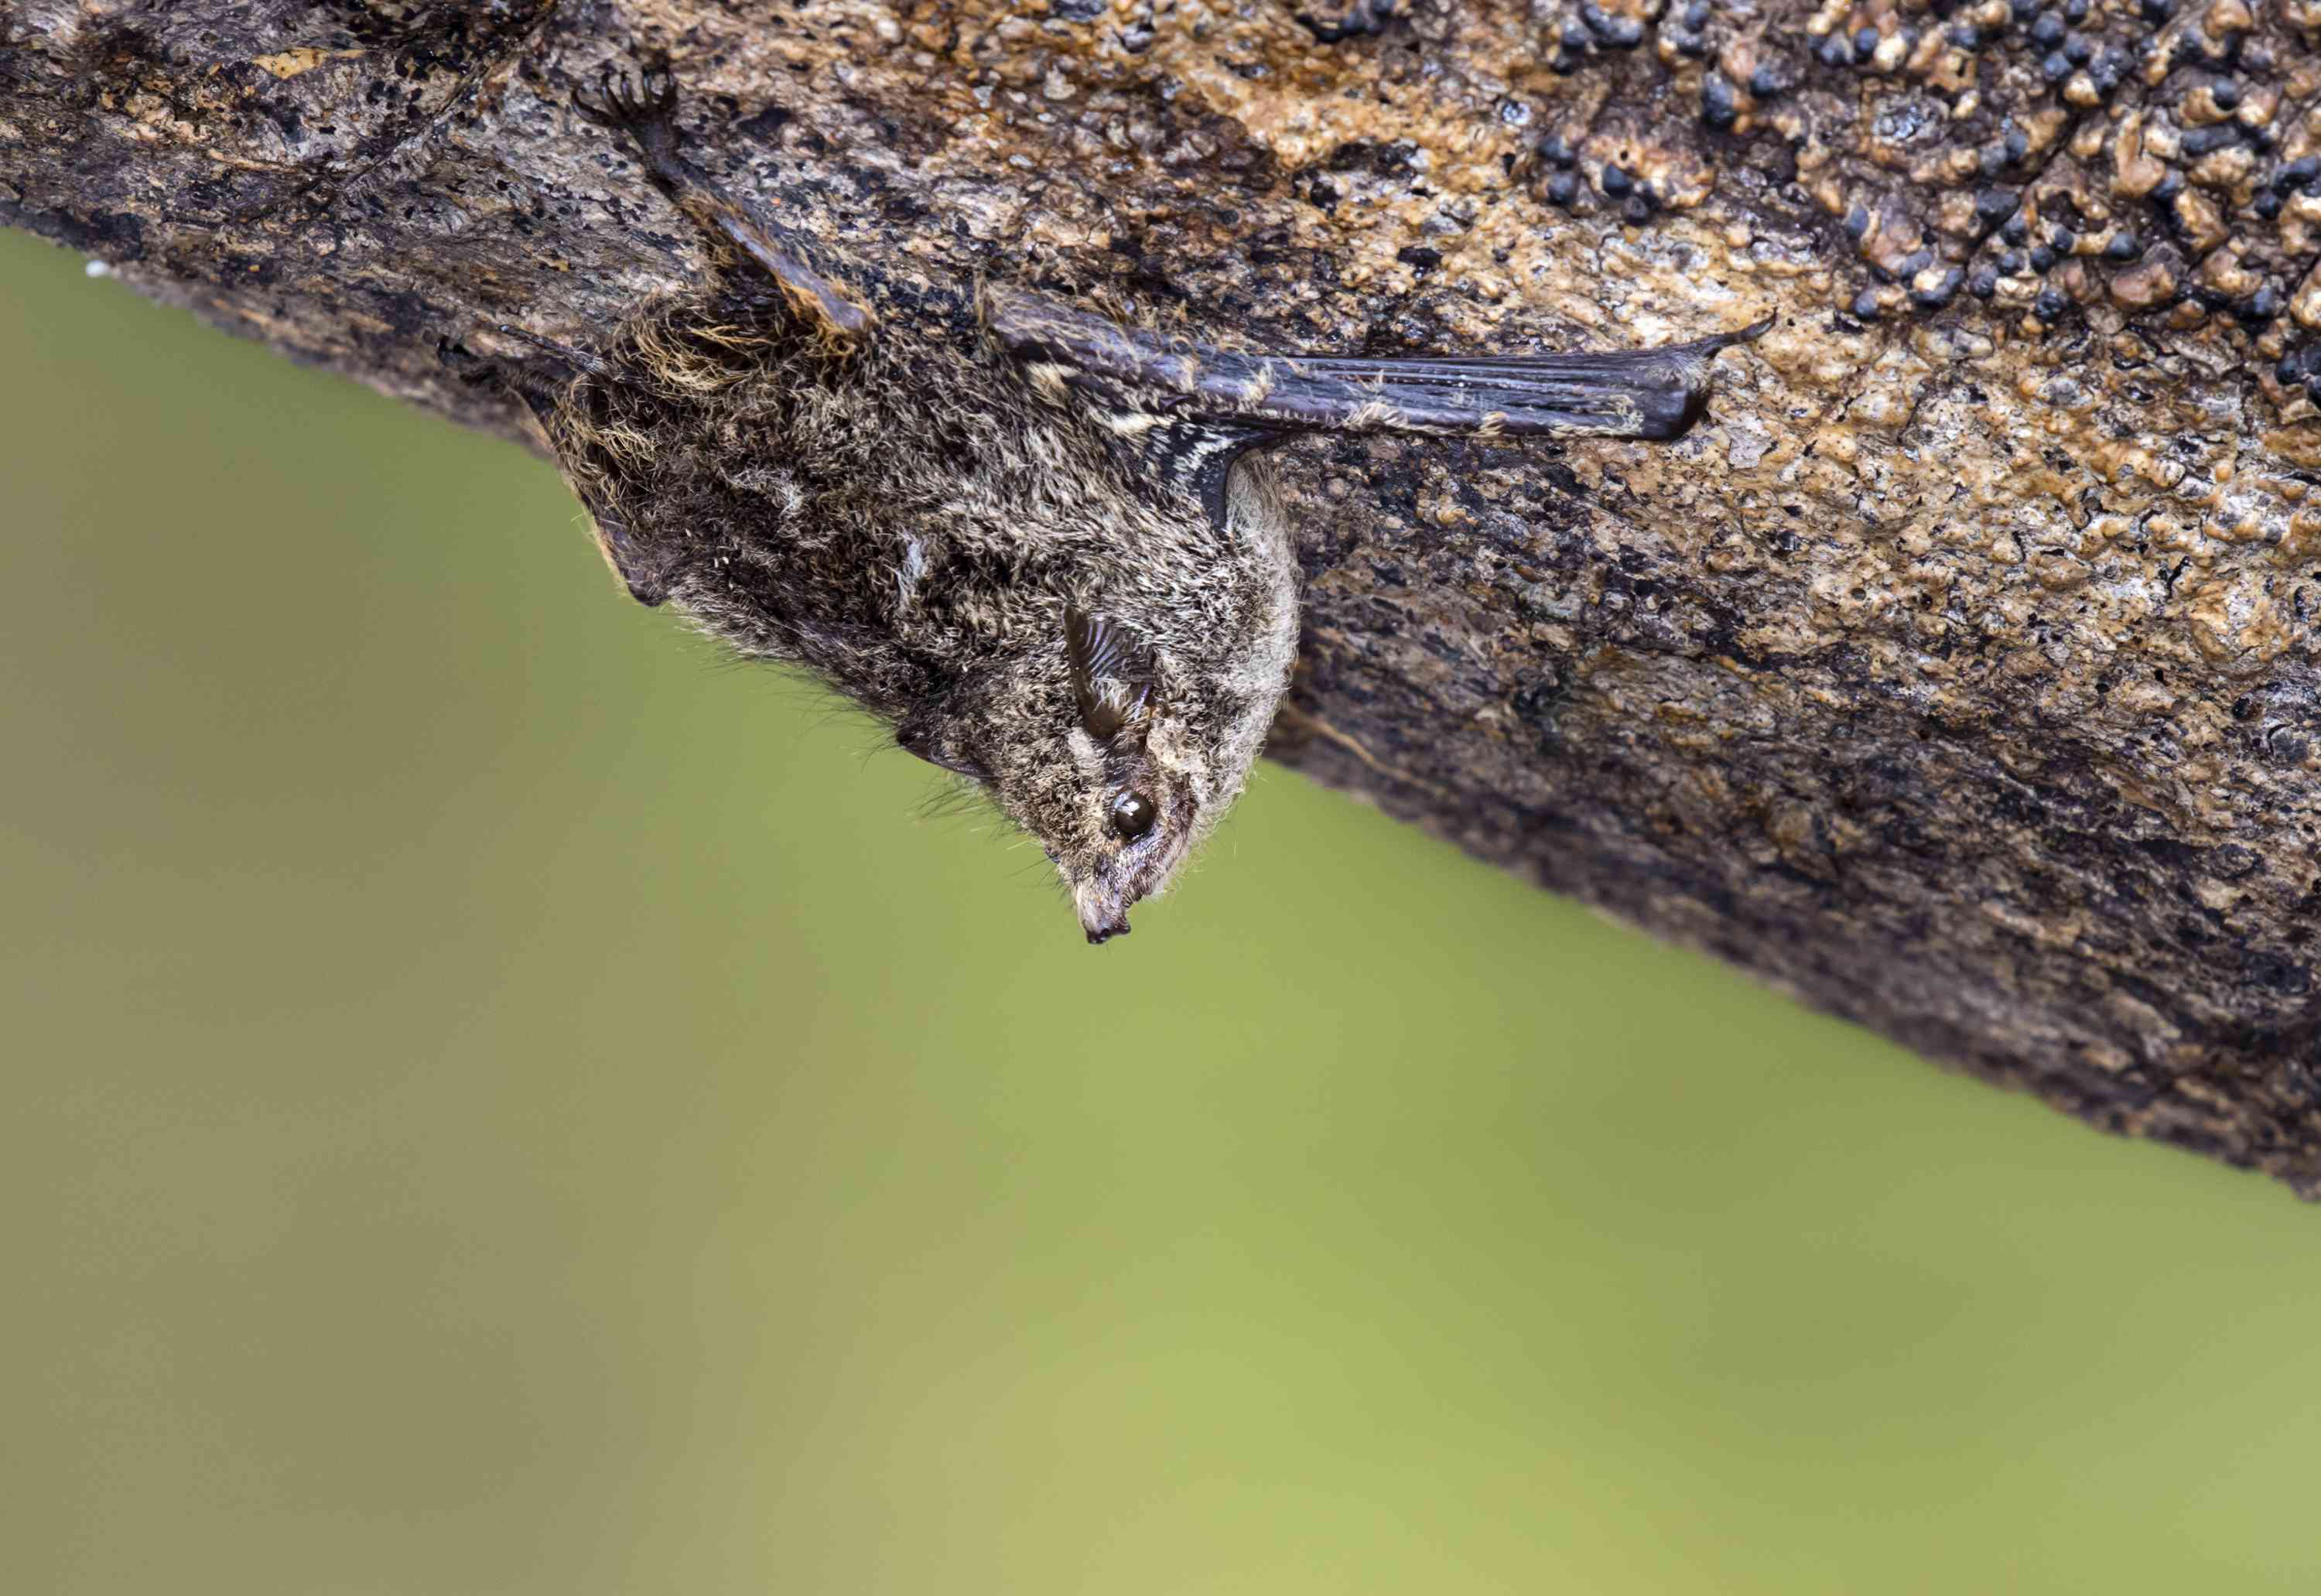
x=1112, y=677
x=1644, y=393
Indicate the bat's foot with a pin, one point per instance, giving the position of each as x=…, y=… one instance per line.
x=1360, y=17
x=537, y=390
x=642, y=104
x=454, y=356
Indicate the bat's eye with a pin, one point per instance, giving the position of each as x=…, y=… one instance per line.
x=1132, y=815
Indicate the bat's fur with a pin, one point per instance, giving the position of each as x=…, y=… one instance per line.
x=910, y=525
x=881, y=494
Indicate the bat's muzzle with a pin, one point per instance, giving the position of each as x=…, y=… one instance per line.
x=1103, y=912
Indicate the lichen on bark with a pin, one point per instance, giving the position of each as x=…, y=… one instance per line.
x=1959, y=674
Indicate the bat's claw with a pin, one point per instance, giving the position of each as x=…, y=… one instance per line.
x=464, y=363
x=574, y=360
x=639, y=102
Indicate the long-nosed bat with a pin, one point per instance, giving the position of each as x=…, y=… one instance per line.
x=1037, y=542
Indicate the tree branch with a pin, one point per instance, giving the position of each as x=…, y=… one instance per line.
x=1958, y=675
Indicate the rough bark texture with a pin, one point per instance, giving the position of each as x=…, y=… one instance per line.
x=1958, y=675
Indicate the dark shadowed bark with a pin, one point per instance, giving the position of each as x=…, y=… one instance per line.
x=1959, y=674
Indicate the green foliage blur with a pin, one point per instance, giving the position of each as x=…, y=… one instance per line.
x=500, y=1100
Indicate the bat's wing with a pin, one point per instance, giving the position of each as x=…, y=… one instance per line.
x=1204, y=406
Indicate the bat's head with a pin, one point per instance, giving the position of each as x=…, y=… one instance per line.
x=1116, y=757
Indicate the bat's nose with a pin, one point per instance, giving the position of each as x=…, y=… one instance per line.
x=1103, y=909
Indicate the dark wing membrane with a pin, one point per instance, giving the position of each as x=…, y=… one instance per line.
x=1647, y=393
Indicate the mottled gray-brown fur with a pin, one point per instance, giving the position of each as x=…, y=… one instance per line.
x=1032, y=541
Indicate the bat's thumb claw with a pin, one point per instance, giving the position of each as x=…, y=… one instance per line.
x=1748, y=334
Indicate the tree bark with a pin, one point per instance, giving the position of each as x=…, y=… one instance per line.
x=1958, y=675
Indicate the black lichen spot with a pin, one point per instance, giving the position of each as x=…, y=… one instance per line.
x=1419, y=257
x=1556, y=151
x=1616, y=181
x=2124, y=246
x=1938, y=294
x=1719, y=104
x=2048, y=31
x=1865, y=45
x=1993, y=206
x=1398, y=160
x=1984, y=284
x=2050, y=307
x=1360, y=17
x=1864, y=307
x=1617, y=32
x=1564, y=190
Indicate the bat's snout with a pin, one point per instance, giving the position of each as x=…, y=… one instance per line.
x=1103, y=910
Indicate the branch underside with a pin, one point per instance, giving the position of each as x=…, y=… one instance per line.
x=1957, y=671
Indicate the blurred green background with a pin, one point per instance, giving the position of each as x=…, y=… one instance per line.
x=501, y=1101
